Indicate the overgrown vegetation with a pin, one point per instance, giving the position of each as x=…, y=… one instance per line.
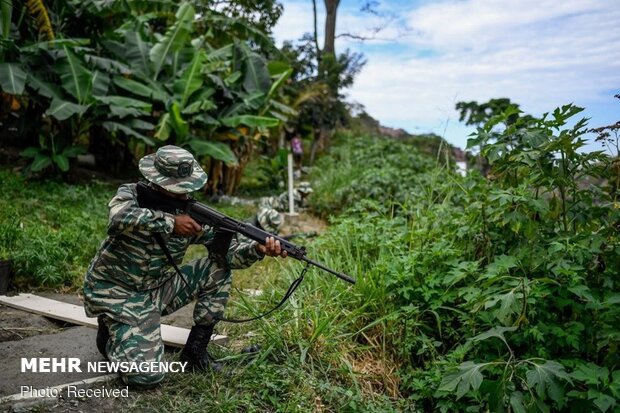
x=495, y=293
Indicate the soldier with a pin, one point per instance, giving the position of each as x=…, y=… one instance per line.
x=130, y=284
x=280, y=202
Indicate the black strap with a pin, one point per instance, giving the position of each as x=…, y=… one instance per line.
x=290, y=292
x=291, y=289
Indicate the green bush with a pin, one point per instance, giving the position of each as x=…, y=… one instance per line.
x=497, y=293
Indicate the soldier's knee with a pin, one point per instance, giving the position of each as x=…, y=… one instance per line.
x=143, y=380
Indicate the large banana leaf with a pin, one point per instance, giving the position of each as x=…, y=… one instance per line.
x=63, y=110
x=191, y=80
x=100, y=83
x=174, y=38
x=6, y=10
x=279, y=81
x=74, y=77
x=12, y=78
x=150, y=91
x=119, y=127
x=250, y=120
x=122, y=106
x=216, y=150
x=256, y=74
x=49, y=90
x=137, y=53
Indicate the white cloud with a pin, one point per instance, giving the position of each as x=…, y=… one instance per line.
x=539, y=53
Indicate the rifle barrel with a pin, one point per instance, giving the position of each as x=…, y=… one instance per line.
x=340, y=275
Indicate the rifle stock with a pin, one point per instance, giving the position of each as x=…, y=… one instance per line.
x=206, y=215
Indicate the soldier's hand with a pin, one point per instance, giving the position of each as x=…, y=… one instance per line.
x=271, y=248
x=185, y=226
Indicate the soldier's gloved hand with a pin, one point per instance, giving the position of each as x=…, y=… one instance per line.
x=271, y=248
x=185, y=226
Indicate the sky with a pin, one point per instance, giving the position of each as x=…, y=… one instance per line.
x=430, y=54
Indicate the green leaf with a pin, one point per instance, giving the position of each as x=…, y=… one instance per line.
x=180, y=125
x=256, y=77
x=467, y=377
x=6, y=10
x=250, y=120
x=12, y=78
x=75, y=78
x=73, y=151
x=279, y=81
x=49, y=90
x=137, y=53
x=601, y=400
x=191, y=80
x=30, y=152
x=62, y=109
x=542, y=379
x=163, y=128
x=174, y=38
x=494, y=332
x=119, y=127
x=216, y=150
x=516, y=402
x=40, y=162
x=141, y=89
x=61, y=161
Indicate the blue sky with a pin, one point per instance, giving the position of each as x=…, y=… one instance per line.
x=433, y=53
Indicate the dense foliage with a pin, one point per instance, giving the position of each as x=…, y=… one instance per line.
x=496, y=293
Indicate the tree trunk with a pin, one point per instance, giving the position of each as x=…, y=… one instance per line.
x=331, y=6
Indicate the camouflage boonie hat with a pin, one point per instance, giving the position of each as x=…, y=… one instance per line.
x=304, y=188
x=269, y=219
x=174, y=169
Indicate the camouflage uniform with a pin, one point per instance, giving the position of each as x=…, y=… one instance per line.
x=131, y=282
x=280, y=202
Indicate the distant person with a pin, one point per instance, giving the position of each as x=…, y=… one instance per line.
x=298, y=151
x=131, y=283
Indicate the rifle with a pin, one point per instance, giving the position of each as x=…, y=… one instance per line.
x=204, y=215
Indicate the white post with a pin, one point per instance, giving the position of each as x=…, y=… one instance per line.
x=291, y=200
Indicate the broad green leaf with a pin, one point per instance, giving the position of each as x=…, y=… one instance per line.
x=250, y=120
x=277, y=67
x=62, y=109
x=141, y=89
x=49, y=90
x=601, y=400
x=256, y=76
x=40, y=162
x=494, y=332
x=174, y=38
x=278, y=82
x=100, y=83
x=542, y=378
x=119, y=127
x=12, y=78
x=163, y=128
x=6, y=10
x=72, y=151
x=180, y=125
x=282, y=108
x=137, y=53
x=191, y=79
x=74, y=77
x=516, y=402
x=30, y=152
x=467, y=377
x=216, y=150
x=199, y=106
x=108, y=65
x=61, y=161
x=122, y=106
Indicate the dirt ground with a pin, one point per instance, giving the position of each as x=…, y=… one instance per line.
x=27, y=335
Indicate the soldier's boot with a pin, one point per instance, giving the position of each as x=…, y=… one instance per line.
x=103, y=335
x=195, y=351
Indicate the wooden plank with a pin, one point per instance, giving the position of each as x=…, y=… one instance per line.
x=171, y=335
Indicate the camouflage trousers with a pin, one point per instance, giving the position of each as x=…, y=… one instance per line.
x=207, y=282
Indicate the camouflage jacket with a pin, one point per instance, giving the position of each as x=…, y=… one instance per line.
x=130, y=261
